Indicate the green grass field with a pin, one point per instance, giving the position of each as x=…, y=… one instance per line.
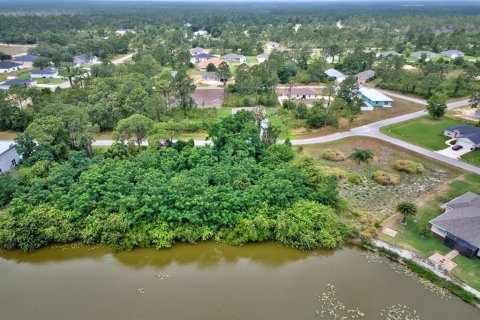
x=425, y=132
x=409, y=236
x=428, y=133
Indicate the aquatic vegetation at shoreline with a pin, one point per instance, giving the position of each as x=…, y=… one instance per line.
x=373, y=257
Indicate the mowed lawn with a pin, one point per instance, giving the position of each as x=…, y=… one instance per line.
x=428, y=133
x=424, y=132
x=412, y=236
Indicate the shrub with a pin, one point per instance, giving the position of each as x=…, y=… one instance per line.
x=334, y=171
x=309, y=225
x=408, y=166
x=385, y=178
x=355, y=178
x=333, y=155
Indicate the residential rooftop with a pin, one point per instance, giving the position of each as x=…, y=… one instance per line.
x=373, y=94
x=9, y=64
x=462, y=218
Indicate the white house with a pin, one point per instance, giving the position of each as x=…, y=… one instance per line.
x=453, y=54
x=337, y=75
x=200, y=34
x=386, y=54
x=201, y=57
x=26, y=60
x=262, y=57
x=235, y=58
x=271, y=45
x=374, y=98
x=44, y=73
x=418, y=54
x=9, y=157
x=302, y=93
x=7, y=66
x=83, y=59
x=20, y=82
x=197, y=50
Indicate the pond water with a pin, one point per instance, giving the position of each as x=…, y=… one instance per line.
x=210, y=281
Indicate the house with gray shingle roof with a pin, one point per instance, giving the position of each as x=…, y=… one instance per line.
x=19, y=82
x=419, y=54
x=235, y=58
x=467, y=136
x=459, y=225
x=26, y=60
x=335, y=74
x=386, y=54
x=262, y=57
x=365, y=76
x=453, y=54
x=7, y=66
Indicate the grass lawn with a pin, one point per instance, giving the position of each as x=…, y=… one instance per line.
x=224, y=112
x=431, y=136
x=400, y=107
x=252, y=59
x=409, y=236
x=8, y=135
x=14, y=49
x=50, y=81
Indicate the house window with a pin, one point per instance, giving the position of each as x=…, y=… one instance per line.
x=14, y=162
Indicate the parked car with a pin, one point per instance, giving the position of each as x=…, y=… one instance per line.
x=457, y=147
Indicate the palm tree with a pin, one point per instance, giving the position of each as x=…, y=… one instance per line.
x=361, y=156
x=406, y=208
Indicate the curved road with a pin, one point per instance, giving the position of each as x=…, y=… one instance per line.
x=372, y=130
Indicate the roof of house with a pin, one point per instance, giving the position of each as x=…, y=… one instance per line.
x=210, y=75
x=373, y=94
x=8, y=64
x=470, y=132
x=215, y=61
x=234, y=56
x=419, y=54
x=303, y=91
x=83, y=58
x=334, y=73
x=44, y=71
x=12, y=82
x=27, y=58
x=262, y=56
x=367, y=74
x=203, y=56
x=390, y=53
x=462, y=218
x=452, y=52
x=272, y=43
x=4, y=146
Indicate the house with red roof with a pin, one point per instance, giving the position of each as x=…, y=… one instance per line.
x=202, y=65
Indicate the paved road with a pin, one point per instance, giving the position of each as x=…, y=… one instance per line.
x=372, y=130
x=123, y=59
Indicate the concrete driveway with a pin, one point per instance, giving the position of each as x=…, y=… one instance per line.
x=452, y=153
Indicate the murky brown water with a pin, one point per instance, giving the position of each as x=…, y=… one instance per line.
x=205, y=281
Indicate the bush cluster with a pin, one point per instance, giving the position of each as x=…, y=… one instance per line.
x=333, y=155
x=408, y=166
x=385, y=178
